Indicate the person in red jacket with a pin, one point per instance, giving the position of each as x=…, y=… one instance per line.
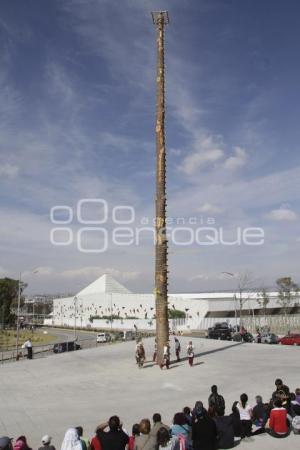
x=277, y=423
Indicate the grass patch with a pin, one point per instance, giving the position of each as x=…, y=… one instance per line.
x=8, y=338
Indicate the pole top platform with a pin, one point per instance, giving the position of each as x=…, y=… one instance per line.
x=160, y=16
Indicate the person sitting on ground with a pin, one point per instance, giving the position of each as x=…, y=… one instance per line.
x=294, y=406
x=135, y=433
x=23, y=439
x=19, y=445
x=145, y=441
x=85, y=443
x=245, y=415
x=113, y=439
x=297, y=393
x=157, y=424
x=71, y=440
x=259, y=415
x=187, y=412
x=277, y=424
x=204, y=430
x=95, y=441
x=181, y=427
x=225, y=431
x=165, y=441
x=236, y=420
x=5, y=443
x=46, y=441
x=215, y=400
x=282, y=391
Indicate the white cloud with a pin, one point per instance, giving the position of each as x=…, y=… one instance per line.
x=282, y=214
x=199, y=159
x=200, y=276
x=238, y=160
x=9, y=170
x=209, y=208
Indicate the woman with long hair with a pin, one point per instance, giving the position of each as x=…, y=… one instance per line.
x=246, y=416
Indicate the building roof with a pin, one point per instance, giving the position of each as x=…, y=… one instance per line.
x=106, y=284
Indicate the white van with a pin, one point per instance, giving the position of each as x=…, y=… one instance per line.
x=102, y=337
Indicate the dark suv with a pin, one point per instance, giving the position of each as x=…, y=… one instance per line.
x=66, y=347
x=220, y=331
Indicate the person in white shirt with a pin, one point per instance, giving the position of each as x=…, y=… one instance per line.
x=245, y=415
x=166, y=356
x=28, y=346
x=190, y=353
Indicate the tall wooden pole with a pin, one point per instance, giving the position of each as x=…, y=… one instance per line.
x=160, y=19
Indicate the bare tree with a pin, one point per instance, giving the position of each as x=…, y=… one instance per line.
x=288, y=292
x=263, y=300
x=245, y=285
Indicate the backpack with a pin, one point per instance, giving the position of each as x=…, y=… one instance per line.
x=219, y=402
x=182, y=441
x=296, y=425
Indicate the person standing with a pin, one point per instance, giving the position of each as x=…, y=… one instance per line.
x=28, y=346
x=215, y=400
x=190, y=353
x=140, y=354
x=177, y=349
x=166, y=356
x=155, y=351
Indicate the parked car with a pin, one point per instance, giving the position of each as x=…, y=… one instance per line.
x=220, y=331
x=66, y=347
x=103, y=337
x=267, y=338
x=290, y=339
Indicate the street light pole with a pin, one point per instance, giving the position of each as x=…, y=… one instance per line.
x=232, y=275
x=18, y=315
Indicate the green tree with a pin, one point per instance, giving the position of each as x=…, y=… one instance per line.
x=176, y=314
x=288, y=292
x=9, y=289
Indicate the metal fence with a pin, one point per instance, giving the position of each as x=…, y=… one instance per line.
x=280, y=324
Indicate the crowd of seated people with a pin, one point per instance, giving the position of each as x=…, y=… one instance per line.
x=199, y=428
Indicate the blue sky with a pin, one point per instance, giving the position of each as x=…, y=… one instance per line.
x=77, y=111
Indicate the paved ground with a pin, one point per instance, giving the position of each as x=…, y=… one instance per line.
x=46, y=396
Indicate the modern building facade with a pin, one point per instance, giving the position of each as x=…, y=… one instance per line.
x=107, y=303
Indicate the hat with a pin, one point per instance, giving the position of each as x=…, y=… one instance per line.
x=5, y=441
x=46, y=439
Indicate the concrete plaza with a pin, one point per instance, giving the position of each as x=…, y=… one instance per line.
x=46, y=396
